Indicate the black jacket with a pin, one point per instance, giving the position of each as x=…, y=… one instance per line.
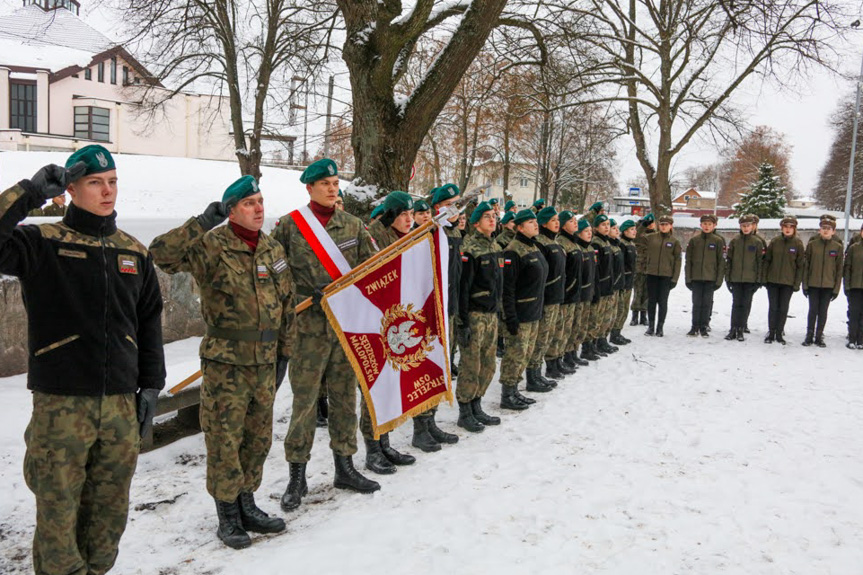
x=555, y=255
x=524, y=274
x=92, y=298
x=588, y=271
x=574, y=258
x=619, y=265
x=630, y=255
x=481, y=276
x=604, y=264
x=454, y=240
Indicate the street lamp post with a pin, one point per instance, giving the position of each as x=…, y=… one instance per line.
x=853, y=157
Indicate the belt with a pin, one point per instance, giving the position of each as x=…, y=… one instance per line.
x=264, y=336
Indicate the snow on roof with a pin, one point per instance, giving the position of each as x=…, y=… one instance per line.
x=53, y=58
x=31, y=27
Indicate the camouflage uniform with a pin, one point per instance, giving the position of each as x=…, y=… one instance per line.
x=95, y=337
x=519, y=349
x=572, y=298
x=246, y=304
x=630, y=254
x=639, y=287
x=554, y=291
x=601, y=311
x=51, y=210
x=318, y=353
x=587, y=280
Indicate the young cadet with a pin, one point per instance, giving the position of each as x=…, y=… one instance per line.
x=630, y=260
x=555, y=283
x=783, y=273
x=395, y=222
x=618, y=281
x=853, y=278
x=704, y=272
x=318, y=353
x=598, y=208
x=510, y=207
x=565, y=344
x=422, y=213
x=95, y=363
x=587, y=290
x=480, y=292
x=604, y=286
x=662, y=271
x=538, y=205
x=506, y=235
x=822, y=278
x=646, y=226
x=524, y=274
x=245, y=302
x=743, y=274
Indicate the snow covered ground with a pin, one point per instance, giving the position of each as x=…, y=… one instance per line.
x=674, y=456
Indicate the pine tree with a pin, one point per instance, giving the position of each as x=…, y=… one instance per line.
x=766, y=197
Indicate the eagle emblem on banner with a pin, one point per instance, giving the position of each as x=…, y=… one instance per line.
x=408, y=340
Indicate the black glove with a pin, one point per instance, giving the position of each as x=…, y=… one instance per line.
x=805, y=292
x=319, y=294
x=834, y=296
x=214, y=215
x=52, y=180
x=146, y=401
x=281, y=370
x=673, y=285
x=512, y=327
x=463, y=333
x=689, y=286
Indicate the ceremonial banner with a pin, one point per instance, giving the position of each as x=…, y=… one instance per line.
x=391, y=322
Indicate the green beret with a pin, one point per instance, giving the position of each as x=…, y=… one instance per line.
x=493, y=202
x=421, y=206
x=97, y=159
x=509, y=205
x=523, y=216
x=648, y=218
x=319, y=170
x=379, y=209
x=596, y=207
x=507, y=217
x=539, y=202
x=479, y=211
x=242, y=188
x=583, y=224
x=612, y=222
x=626, y=225
x=444, y=193
x=565, y=216
x=599, y=219
x=545, y=214
x=398, y=202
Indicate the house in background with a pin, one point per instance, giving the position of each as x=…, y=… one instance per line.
x=64, y=85
x=522, y=181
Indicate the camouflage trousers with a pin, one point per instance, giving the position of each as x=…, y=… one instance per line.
x=81, y=455
x=317, y=354
x=563, y=333
x=639, y=293
x=623, y=299
x=580, y=322
x=431, y=412
x=479, y=360
x=237, y=421
x=598, y=317
x=547, y=326
x=519, y=349
x=610, y=314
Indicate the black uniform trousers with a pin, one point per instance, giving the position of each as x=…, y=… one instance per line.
x=819, y=301
x=779, y=296
x=855, y=316
x=658, y=288
x=702, y=302
x=741, y=297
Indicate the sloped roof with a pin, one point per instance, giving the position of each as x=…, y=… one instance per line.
x=32, y=26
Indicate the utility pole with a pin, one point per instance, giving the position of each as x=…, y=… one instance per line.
x=329, y=117
x=306, y=123
x=853, y=157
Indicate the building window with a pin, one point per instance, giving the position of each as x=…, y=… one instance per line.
x=113, y=69
x=101, y=72
x=125, y=75
x=523, y=182
x=92, y=123
x=22, y=97
x=88, y=75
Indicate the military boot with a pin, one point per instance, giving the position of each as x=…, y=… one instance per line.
x=634, y=320
x=231, y=530
x=534, y=383
x=439, y=434
x=347, y=477
x=552, y=370
x=508, y=400
x=594, y=345
x=587, y=352
x=480, y=415
x=732, y=334
x=422, y=439
x=819, y=340
x=297, y=487
x=551, y=383
x=644, y=320
x=376, y=461
x=771, y=336
x=323, y=410
x=395, y=457
x=567, y=362
x=603, y=346
x=564, y=367
x=623, y=338
x=254, y=519
x=810, y=338
x=466, y=419
x=522, y=398
x=616, y=338
x=573, y=358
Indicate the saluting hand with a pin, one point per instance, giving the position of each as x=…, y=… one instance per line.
x=214, y=215
x=52, y=180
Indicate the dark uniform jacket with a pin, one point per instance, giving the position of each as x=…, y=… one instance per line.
x=641, y=247
x=618, y=265
x=454, y=241
x=555, y=283
x=823, y=265
x=784, y=261
x=92, y=298
x=705, y=259
x=524, y=273
x=574, y=258
x=745, y=258
x=481, y=286
x=588, y=271
x=504, y=237
x=383, y=235
x=604, y=265
x=630, y=256
x=853, y=269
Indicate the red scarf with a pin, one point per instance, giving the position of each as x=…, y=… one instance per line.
x=398, y=233
x=323, y=213
x=249, y=237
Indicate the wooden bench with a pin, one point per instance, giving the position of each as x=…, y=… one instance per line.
x=186, y=404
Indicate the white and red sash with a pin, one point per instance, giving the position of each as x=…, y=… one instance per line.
x=322, y=244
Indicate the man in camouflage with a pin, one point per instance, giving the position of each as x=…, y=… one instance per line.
x=565, y=345
x=246, y=304
x=645, y=227
x=505, y=235
x=603, y=304
x=480, y=292
x=318, y=353
x=587, y=290
x=56, y=208
x=630, y=260
x=96, y=363
x=617, y=280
